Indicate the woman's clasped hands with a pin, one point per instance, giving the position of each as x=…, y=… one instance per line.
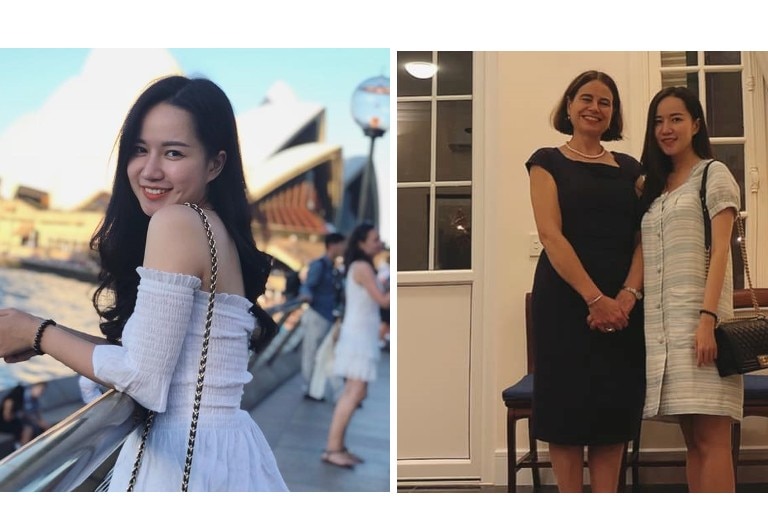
x=609, y=315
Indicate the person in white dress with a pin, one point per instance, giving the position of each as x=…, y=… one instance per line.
x=178, y=144
x=357, y=350
x=684, y=297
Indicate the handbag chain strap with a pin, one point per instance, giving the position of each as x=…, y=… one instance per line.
x=742, y=236
x=743, y=245
x=200, y=372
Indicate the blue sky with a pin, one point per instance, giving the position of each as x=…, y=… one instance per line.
x=328, y=76
x=31, y=77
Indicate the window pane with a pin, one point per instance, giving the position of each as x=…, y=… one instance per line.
x=681, y=79
x=725, y=115
x=454, y=140
x=408, y=85
x=676, y=59
x=413, y=140
x=732, y=155
x=720, y=58
x=412, y=228
x=454, y=75
x=453, y=228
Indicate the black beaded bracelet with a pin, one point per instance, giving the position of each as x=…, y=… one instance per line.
x=39, y=336
x=708, y=312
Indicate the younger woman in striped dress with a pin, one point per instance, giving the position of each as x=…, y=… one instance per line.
x=684, y=297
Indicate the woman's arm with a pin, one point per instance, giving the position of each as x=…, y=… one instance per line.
x=363, y=274
x=722, y=226
x=634, y=278
x=17, y=334
x=176, y=244
x=28, y=354
x=605, y=312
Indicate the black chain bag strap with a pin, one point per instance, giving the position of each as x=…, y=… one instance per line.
x=742, y=343
x=200, y=373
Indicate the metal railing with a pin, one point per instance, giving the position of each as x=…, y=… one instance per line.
x=64, y=457
x=78, y=453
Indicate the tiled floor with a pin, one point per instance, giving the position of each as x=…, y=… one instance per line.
x=297, y=428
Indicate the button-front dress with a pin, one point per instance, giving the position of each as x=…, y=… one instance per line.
x=675, y=276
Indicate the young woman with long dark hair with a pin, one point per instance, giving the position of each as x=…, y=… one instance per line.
x=357, y=350
x=686, y=294
x=178, y=144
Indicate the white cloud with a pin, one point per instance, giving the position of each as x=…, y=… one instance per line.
x=65, y=146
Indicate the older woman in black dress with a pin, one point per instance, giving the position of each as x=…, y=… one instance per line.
x=589, y=374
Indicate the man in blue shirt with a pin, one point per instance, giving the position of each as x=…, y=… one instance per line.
x=322, y=289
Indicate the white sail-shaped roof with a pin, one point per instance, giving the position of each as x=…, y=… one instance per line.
x=266, y=129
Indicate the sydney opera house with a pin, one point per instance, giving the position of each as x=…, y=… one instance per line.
x=301, y=187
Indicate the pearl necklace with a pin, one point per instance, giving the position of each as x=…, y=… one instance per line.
x=584, y=154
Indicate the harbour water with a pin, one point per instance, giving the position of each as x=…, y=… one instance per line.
x=66, y=300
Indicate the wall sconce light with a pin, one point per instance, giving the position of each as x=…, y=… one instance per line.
x=422, y=70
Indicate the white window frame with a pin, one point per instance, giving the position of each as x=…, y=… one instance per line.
x=753, y=105
x=432, y=275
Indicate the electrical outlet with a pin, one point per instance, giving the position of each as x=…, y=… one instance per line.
x=534, y=246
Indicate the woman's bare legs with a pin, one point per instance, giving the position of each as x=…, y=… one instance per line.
x=354, y=393
x=605, y=467
x=568, y=466
x=709, y=466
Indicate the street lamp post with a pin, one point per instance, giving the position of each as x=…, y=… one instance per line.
x=370, y=109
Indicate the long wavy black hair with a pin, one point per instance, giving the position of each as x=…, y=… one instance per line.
x=657, y=166
x=121, y=238
x=353, y=251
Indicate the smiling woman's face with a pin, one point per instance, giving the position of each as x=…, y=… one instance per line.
x=674, y=127
x=168, y=164
x=591, y=109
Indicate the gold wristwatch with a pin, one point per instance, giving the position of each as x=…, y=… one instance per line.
x=637, y=293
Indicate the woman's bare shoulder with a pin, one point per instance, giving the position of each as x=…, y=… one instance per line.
x=176, y=241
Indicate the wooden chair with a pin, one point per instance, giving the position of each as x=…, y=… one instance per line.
x=519, y=401
x=755, y=385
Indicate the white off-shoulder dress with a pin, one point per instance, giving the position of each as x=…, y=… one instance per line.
x=157, y=365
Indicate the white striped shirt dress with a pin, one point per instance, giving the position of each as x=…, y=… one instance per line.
x=674, y=279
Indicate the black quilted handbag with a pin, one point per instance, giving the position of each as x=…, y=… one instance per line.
x=742, y=343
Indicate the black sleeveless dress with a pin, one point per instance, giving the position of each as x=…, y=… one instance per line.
x=589, y=386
